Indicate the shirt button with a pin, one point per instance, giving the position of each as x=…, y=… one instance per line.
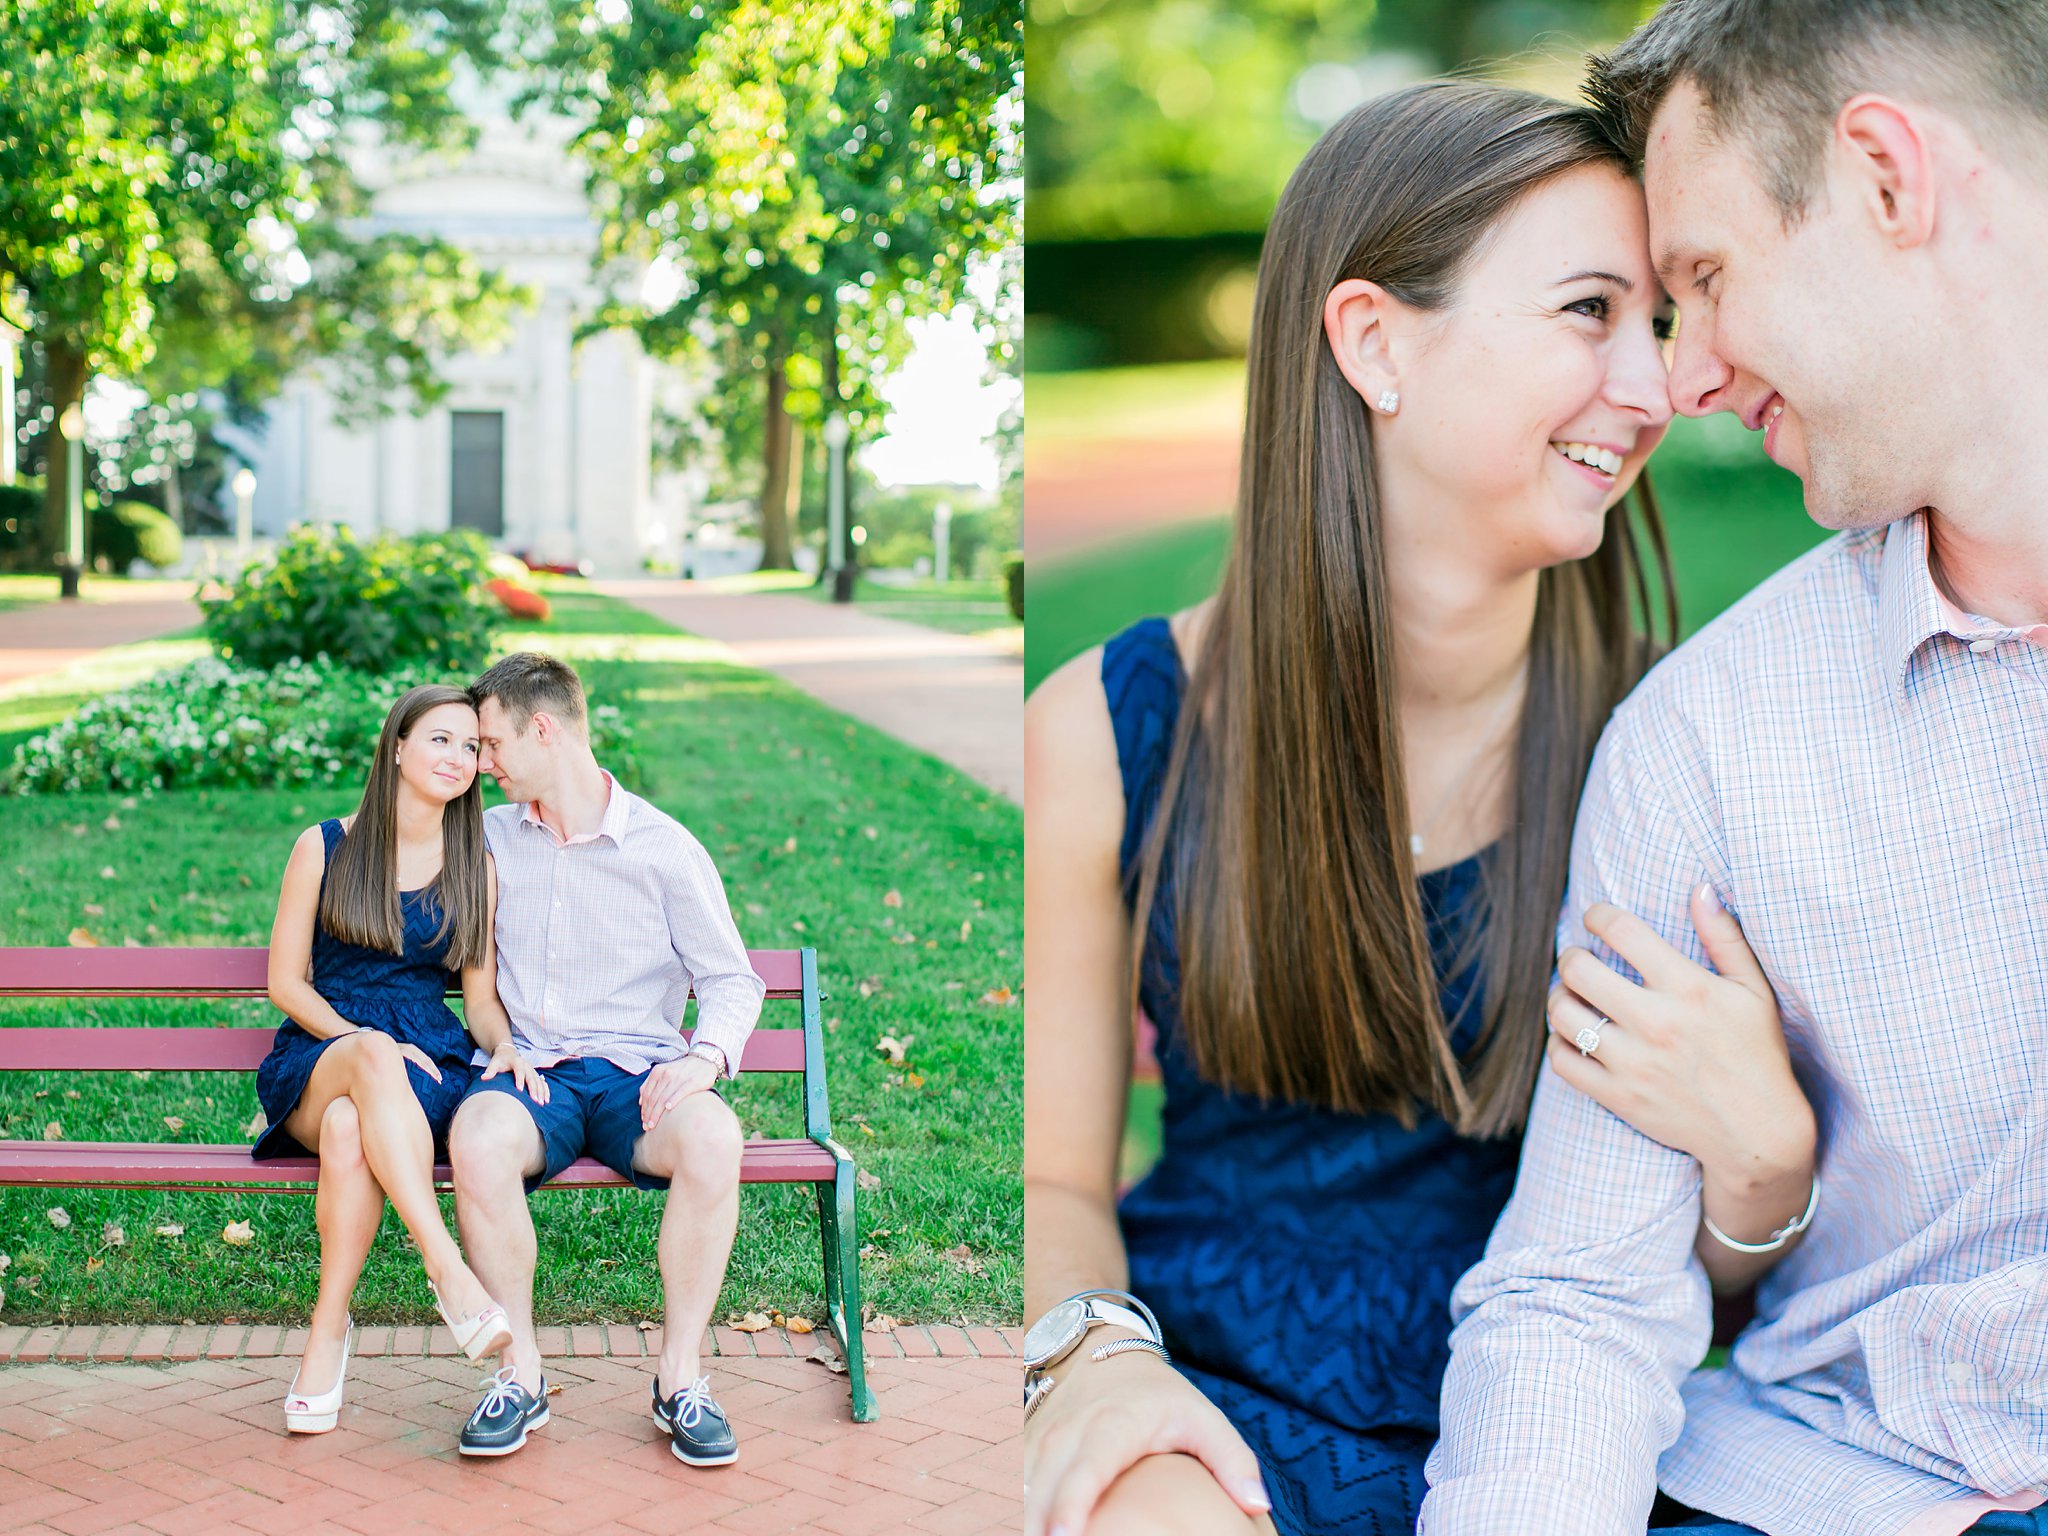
x=1959, y=1373
x=1986, y=644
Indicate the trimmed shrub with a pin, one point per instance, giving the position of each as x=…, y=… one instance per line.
x=127, y=531
x=213, y=723
x=1013, y=583
x=370, y=607
x=21, y=529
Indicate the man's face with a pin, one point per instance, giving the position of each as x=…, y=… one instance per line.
x=1798, y=332
x=515, y=759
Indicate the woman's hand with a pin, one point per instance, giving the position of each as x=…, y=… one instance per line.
x=1104, y=1416
x=420, y=1059
x=525, y=1075
x=1689, y=1058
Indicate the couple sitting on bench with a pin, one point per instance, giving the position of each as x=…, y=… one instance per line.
x=579, y=918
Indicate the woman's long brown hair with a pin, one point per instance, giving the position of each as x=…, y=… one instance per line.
x=360, y=904
x=1306, y=965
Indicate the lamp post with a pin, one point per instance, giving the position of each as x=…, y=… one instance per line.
x=8, y=465
x=245, y=520
x=942, y=540
x=71, y=427
x=836, y=434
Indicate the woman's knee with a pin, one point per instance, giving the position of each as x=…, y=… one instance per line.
x=1170, y=1496
x=341, y=1136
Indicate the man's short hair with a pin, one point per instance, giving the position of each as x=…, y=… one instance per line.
x=527, y=681
x=1773, y=73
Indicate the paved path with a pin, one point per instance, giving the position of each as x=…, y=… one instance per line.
x=47, y=637
x=955, y=696
x=151, y=1444
x=1077, y=495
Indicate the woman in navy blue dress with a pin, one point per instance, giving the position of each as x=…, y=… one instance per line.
x=377, y=913
x=1317, y=827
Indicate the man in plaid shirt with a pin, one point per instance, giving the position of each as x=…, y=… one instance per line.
x=1848, y=203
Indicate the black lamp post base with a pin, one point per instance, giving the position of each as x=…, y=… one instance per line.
x=842, y=584
x=67, y=579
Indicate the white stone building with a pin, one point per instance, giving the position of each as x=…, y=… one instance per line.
x=544, y=445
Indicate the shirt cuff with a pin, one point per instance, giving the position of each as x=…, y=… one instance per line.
x=730, y=1039
x=1482, y=1506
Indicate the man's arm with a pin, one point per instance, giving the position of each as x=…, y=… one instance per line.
x=1589, y=1308
x=706, y=941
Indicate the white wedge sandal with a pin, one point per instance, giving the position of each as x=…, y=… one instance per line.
x=305, y=1415
x=487, y=1333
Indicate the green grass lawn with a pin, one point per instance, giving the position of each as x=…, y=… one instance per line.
x=814, y=821
x=963, y=607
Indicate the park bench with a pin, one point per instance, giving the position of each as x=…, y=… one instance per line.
x=791, y=976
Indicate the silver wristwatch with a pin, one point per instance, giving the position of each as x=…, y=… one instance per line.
x=704, y=1050
x=1057, y=1334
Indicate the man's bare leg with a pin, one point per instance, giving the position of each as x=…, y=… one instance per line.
x=494, y=1147
x=696, y=1146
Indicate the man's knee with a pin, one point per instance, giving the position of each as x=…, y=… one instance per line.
x=697, y=1145
x=492, y=1142
x=341, y=1137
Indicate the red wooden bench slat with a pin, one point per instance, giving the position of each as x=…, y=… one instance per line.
x=234, y=1049
x=221, y=972
x=98, y=1163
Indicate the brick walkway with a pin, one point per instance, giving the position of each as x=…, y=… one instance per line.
x=958, y=697
x=47, y=637
x=175, y=1432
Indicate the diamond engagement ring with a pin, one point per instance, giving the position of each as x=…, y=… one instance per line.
x=1588, y=1039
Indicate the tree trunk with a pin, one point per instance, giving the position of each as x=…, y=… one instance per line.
x=174, y=495
x=775, y=545
x=829, y=366
x=64, y=372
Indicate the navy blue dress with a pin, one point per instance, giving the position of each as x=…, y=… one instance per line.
x=1300, y=1260
x=403, y=995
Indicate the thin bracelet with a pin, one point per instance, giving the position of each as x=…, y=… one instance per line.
x=1777, y=1239
x=1125, y=1345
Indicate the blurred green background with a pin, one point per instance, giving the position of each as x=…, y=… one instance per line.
x=1161, y=135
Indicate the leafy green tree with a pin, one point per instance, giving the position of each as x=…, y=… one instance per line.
x=818, y=172
x=175, y=197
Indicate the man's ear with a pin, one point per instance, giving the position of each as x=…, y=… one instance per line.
x=544, y=728
x=1882, y=148
x=1355, y=316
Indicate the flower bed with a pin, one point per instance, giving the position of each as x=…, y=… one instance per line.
x=212, y=723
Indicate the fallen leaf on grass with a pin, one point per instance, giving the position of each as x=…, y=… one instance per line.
x=865, y=1180
x=237, y=1234
x=870, y=833
x=828, y=1358
x=173, y=1124
x=257, y=1126
x=81, y=938
x=93, y=909
x=112, y=1235
x=789, y=845
x=112, y=823
x=1002, y=997
x=108, y=872
x=53, y=1132
x=800, y=1325
x=963, y=1256
x=865, y=1128
x=892, y=899
x=892, y=1049
x=59, y=1217
x=94, y=1264
x=965, y=929
x=753, y=1322
x=915, y=1079
x=171, y=1229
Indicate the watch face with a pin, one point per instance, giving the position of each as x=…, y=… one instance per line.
x=1051, y=1333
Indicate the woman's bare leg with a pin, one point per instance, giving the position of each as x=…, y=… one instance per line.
x=398, y=1145
x=1171, y=1496
x=348, y=1207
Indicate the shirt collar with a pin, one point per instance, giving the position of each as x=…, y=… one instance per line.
x=618, y=812
x=1912, y=609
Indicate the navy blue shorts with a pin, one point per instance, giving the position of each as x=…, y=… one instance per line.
x=593, y=1109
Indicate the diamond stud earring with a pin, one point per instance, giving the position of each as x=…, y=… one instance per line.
x=1390, y=401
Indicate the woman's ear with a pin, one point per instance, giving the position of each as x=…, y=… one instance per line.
x=1355, y=316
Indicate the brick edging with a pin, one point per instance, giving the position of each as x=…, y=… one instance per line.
x=116, y=1343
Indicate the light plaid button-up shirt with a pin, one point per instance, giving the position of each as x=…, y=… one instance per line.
x=602, y=938
x=1860, y=773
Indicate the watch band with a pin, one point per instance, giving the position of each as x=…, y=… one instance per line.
x=706, y=1050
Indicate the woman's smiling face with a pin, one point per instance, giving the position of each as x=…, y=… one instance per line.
x=1528, y=406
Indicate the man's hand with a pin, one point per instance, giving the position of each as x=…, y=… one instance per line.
x=669, y=1083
